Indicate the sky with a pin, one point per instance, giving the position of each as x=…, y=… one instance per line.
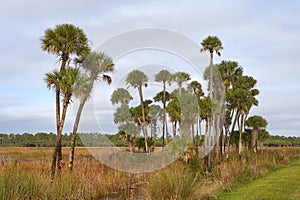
x=262, y=36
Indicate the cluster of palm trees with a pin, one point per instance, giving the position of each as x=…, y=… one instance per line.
x=69, y=43
x=186, y=107
x=223, y=110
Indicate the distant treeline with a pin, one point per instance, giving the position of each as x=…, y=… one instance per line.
x=278, y=141
x=48, y=140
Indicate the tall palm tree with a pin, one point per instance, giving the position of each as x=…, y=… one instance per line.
x=155, y=113
x=230, y=71
x=138, y=79
x=164, y=76
x=241, y=98
x=196, y=87
x=255, y=122
x=65, y=80
x=163, y=97
x=96, y=65
x=174, y=110
x=64, y=41
x=211, y=44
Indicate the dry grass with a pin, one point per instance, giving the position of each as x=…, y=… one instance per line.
x=25, y=174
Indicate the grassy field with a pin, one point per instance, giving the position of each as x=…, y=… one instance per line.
x=25, y=174
x=279, y=184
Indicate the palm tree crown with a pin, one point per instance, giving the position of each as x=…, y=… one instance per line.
x=65, y=40
x=212, y=44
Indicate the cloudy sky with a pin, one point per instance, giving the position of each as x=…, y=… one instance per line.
x=263, y=36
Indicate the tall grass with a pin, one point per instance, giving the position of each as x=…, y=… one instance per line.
x=175, y=182
x=25, y=174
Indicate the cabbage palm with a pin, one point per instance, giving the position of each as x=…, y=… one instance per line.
x=65, y=81
x=255, y=122
x=180, y=78
x=64, y=41
x=137, y=79
x=196, y=87
x=211, y=44
x=230, y=71
x=96, y=65
x=241, y=97
x=164, y=76
x=121, y=96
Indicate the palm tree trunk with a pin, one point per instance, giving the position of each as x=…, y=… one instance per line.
x=164, y=117
x=174, y=129
x=197, y=134
x=74, y=134
x=212, y=115
x=154, y=131
x=206, y=145
x=217, y=147
x=241, y=135
x=56, y=149
x=232, y=129
x=254, y=139
x=193, y=131
x=144, y=118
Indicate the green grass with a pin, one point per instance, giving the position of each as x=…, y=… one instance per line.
x=282, y=183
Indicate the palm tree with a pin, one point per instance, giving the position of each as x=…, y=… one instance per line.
x=163, y=97
x=155, y=113
x=63, y=41
x=164, y=76
x=180, y=78
x=138, y=79
x=128, y=132
x=255, y=122
x=196, y=87
x=241, y=98
x=120, y=95
x=211, y=44
x=174, y=110
x=95, y=66
x=230, y=71
x=65, y=80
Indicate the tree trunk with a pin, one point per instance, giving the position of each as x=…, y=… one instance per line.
x=154, y=131
x=206, y=145
x=241, y=134
x=164, y=117
x=193, y=132
x=56, y=149
x=74, y=134
x=174, y=129
x=217, y=147
x=232, y=129
x=254, y=139
x=144, y=118
x=197, y=134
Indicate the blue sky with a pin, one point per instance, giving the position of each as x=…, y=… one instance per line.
x=263, y=36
